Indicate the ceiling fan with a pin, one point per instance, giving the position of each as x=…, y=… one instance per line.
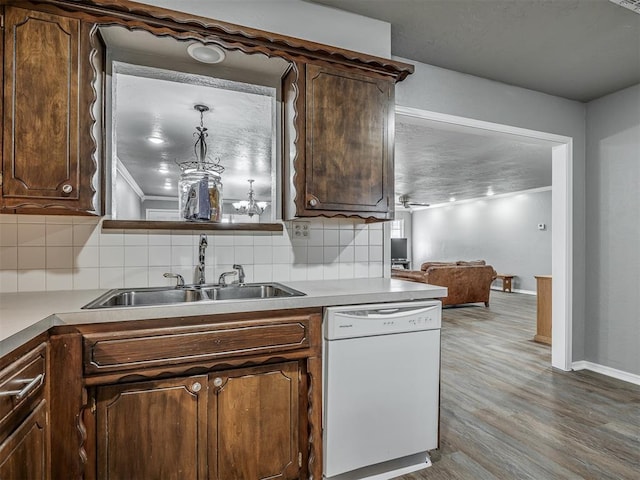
x=405, y=201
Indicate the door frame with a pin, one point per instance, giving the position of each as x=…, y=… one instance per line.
x=562, y=223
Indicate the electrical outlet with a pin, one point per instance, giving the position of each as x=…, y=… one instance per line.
x=301, y=229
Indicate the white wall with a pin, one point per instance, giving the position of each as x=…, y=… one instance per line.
x=613, y=231
x=502, y=231
x=295, y=18
x=445, y=91
x=128, y=201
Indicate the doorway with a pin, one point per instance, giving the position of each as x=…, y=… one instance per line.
x=562, y=222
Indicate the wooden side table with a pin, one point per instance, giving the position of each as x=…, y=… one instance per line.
x=506, y=281
x=543, y=330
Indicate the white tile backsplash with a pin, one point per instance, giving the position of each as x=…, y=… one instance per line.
x=59, y=257
x=32, y=280
x=159, y=255
x=136, y=256
x=40, y=253
x=86, y=278
x=8, y=258
x=59, y=279
x=8, y=235
x=32, y=258
x=32, y=235
x=59, y=234
x=111, y=277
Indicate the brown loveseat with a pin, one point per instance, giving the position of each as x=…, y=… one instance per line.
x=466, y=282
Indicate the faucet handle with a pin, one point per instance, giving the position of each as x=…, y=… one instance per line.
x=240, y=270
x=180, y=278
x=222, y=278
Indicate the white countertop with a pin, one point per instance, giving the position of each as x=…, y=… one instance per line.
x=25, y=315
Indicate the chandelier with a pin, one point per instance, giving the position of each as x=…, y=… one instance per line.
x=200, y=185
x=250, y=207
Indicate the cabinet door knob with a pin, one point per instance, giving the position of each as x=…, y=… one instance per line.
x=217, y=382
x=67, y=188
x=313, y=202
x=196, y=387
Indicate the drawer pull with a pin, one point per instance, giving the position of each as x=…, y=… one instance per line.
x=26, y=390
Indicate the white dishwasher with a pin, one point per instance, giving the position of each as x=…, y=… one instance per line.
x=381, y=389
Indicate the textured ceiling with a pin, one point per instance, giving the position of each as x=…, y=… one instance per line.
x=577, y=49
x=240, y=133
x=436, y=161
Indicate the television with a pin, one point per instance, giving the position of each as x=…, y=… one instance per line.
x=399, y=249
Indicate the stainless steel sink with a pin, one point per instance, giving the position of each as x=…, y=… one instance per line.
x=249, y=291
x=137, y=297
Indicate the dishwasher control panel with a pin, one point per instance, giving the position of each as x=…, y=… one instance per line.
x=381, y=319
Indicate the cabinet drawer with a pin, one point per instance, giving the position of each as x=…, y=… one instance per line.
x=20, y=382
x=108, y=352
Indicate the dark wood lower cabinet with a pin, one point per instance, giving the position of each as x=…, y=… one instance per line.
x=254, y=423
x=154, y=429
x=23, y=455
x=234, y=424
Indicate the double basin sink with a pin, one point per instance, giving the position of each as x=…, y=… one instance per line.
x=138, y=297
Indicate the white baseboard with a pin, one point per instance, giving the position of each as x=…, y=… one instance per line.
x=608, y=371
x=515, y=290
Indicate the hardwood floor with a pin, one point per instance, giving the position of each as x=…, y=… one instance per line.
x=505, y=414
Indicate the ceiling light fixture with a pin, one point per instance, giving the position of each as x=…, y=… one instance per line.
x=200, y=185
x=155, y=140
x=250, y=207
x=206, y=53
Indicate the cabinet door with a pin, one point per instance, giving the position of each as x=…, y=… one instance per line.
x=349, y=156
x=45, y=89
x=155, y=429
x=24, y=453
x=255, y=423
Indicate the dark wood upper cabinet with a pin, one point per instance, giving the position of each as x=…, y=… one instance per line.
x=48, y=146
x=338, y=121
x=346, y=165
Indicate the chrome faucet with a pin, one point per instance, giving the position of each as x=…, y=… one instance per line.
x=223, y=276
x=199, y=276
x=240, y=273
x=237, y=270
x=177, y=276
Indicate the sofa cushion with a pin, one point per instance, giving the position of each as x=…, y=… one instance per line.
x=471, y=263
x=426, y=265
